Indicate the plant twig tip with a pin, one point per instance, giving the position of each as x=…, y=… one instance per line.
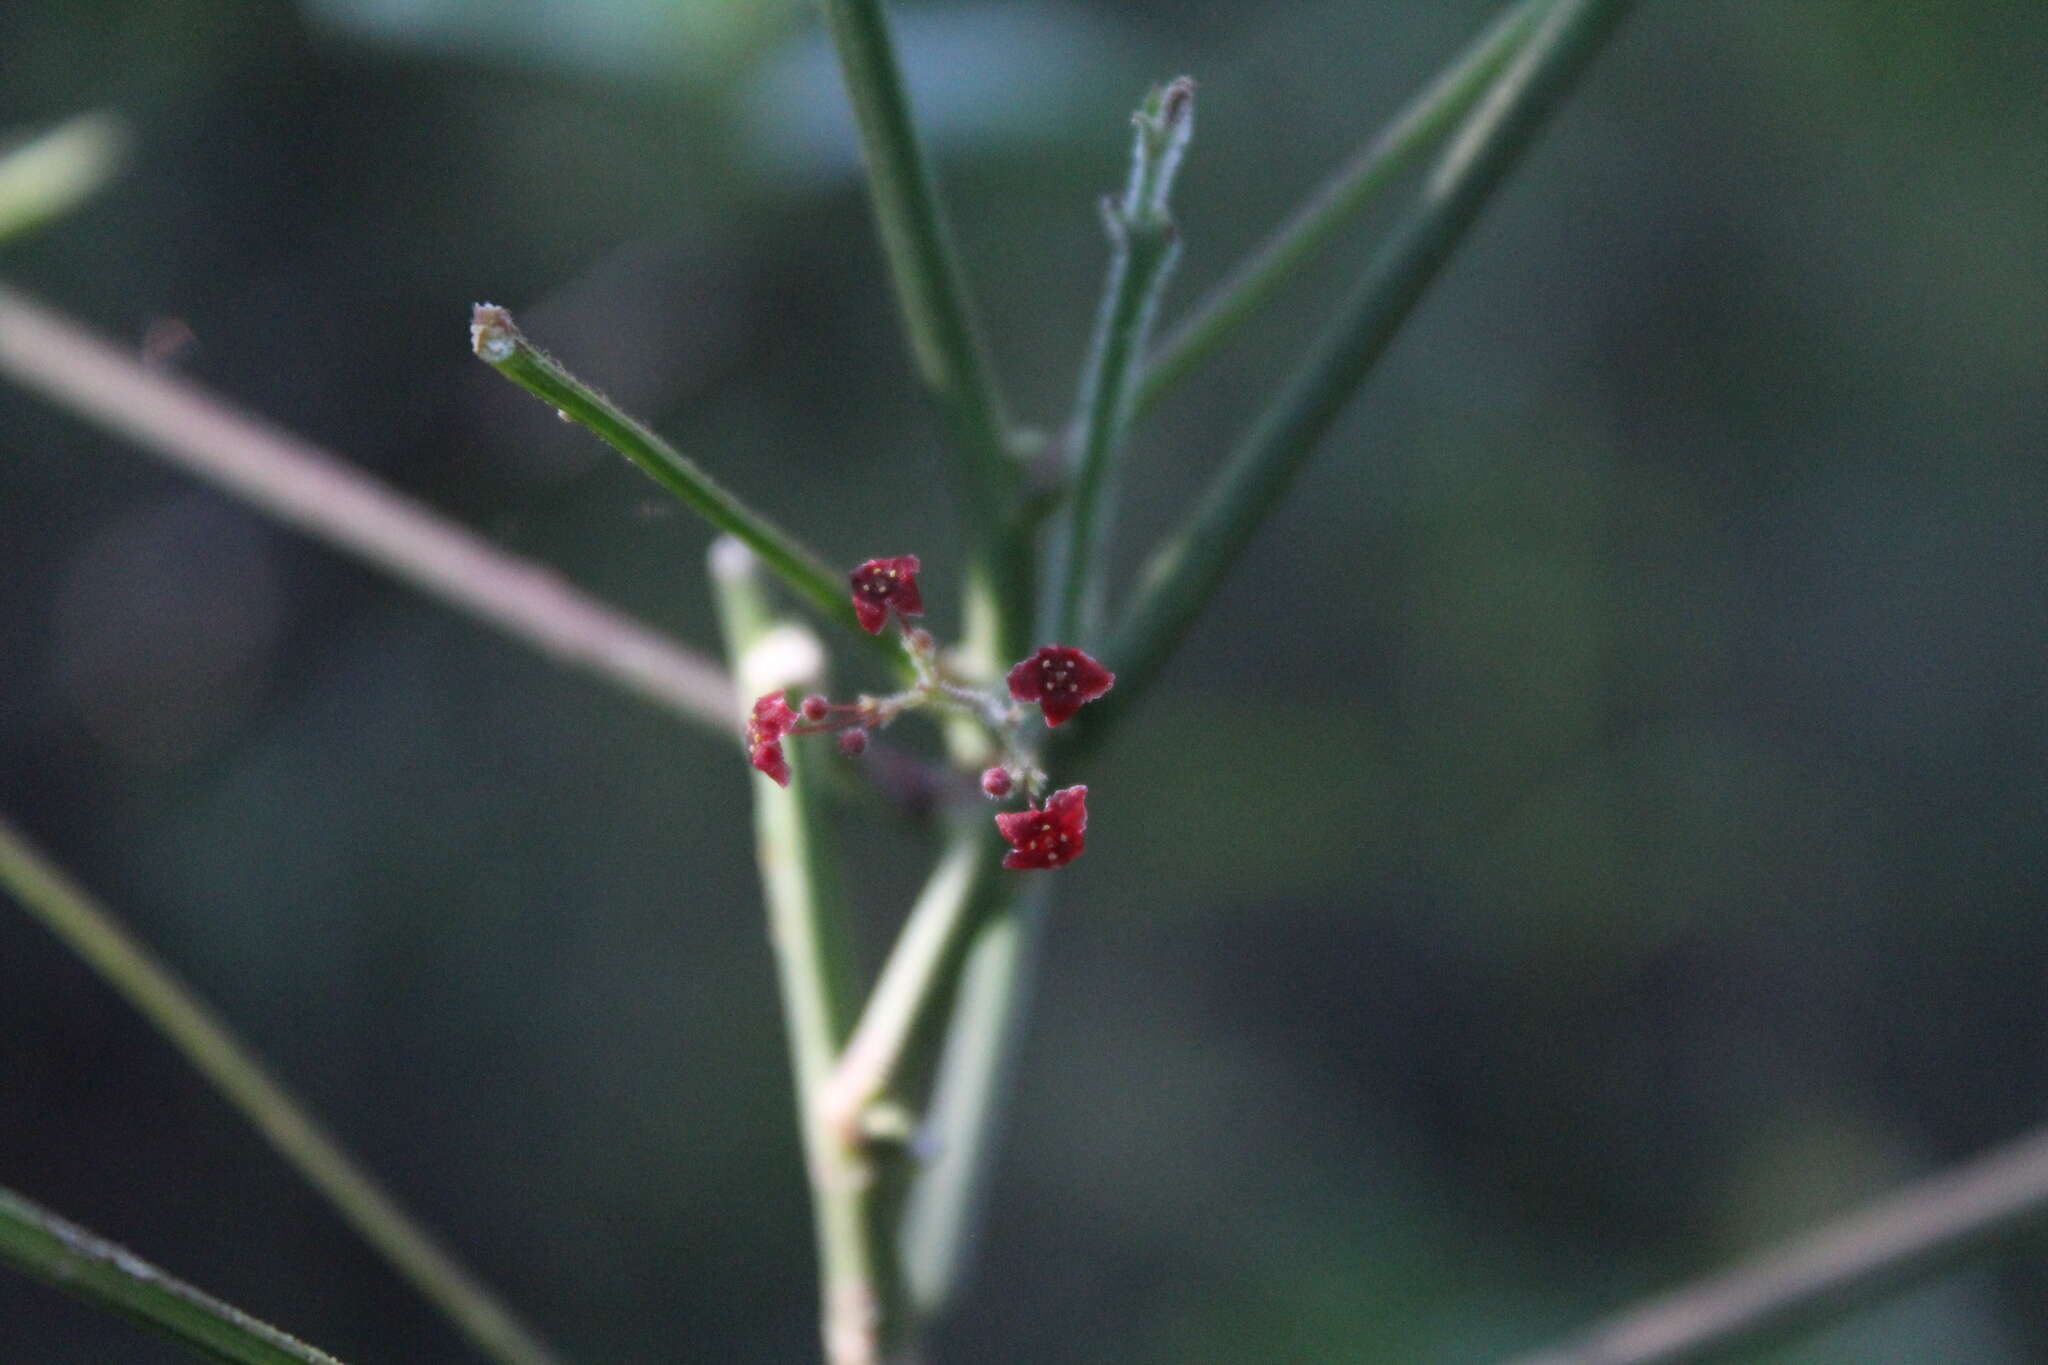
x=492, y=333
x=1177, y=102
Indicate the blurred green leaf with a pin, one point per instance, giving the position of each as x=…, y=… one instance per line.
x=48, y=176
x=619, y=40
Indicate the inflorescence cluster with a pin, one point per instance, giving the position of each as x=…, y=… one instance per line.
x=1060, y=679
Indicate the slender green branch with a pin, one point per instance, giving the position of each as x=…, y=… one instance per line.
x=957, y=951
x=1186, y=571
x=39, y=1243
x=903, y=1008
x=499, y=342
x=945, y=340
x=1145, y=243
x=319, y=493
x=861, y=1312
x=984, y=1034
x=1922, y=1228
x=48, y=176
x=90, y=931
x=1357, y=183
x=930, y=288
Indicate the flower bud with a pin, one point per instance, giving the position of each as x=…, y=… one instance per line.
x=996, y=782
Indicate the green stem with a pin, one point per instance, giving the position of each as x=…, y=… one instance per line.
x=902, y=1010
x=1145, y=244
x=984, y=1034
x=945, y=341
x=39, y=1243
x=1922, y=1228
x=861, y=1312
x=930, y=289
x=1359, y=181
x=90, y=931
x=500, y=343
x=1182, y=576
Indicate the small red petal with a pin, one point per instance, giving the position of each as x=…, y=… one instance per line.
x=1069, y=809
x=770, y=759
x=1091, y=677
x=908, y=599
x=1058, y=709
x=1015, y=826
x=1026, y=680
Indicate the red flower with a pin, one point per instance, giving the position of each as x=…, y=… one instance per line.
x=1059, y=678
x=881, y=584
x=770, y=721
x=1052, y=837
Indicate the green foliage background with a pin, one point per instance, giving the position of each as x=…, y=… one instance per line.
x=1601, y=828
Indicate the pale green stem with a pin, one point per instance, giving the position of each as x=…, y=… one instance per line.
x=1357, y=183
x=319, y=493
x=39, y=1243
x=1882, y=1247
x=1185, y=573
x=1144, y=243
x=87, y=928
x=853, y=1197
x=499, y=342
x=903, y=1007
x=984, y=1035
x=48, y=176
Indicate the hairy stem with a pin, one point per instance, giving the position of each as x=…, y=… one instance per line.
x=501, y=345
x=318, y=493
x=39, y=1243
x=90, y=931
x=1185, y=573
x=1882, y=1247
x=852, y=1195
x=1357, y=183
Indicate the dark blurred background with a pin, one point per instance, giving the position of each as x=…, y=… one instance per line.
x=1599, y=829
